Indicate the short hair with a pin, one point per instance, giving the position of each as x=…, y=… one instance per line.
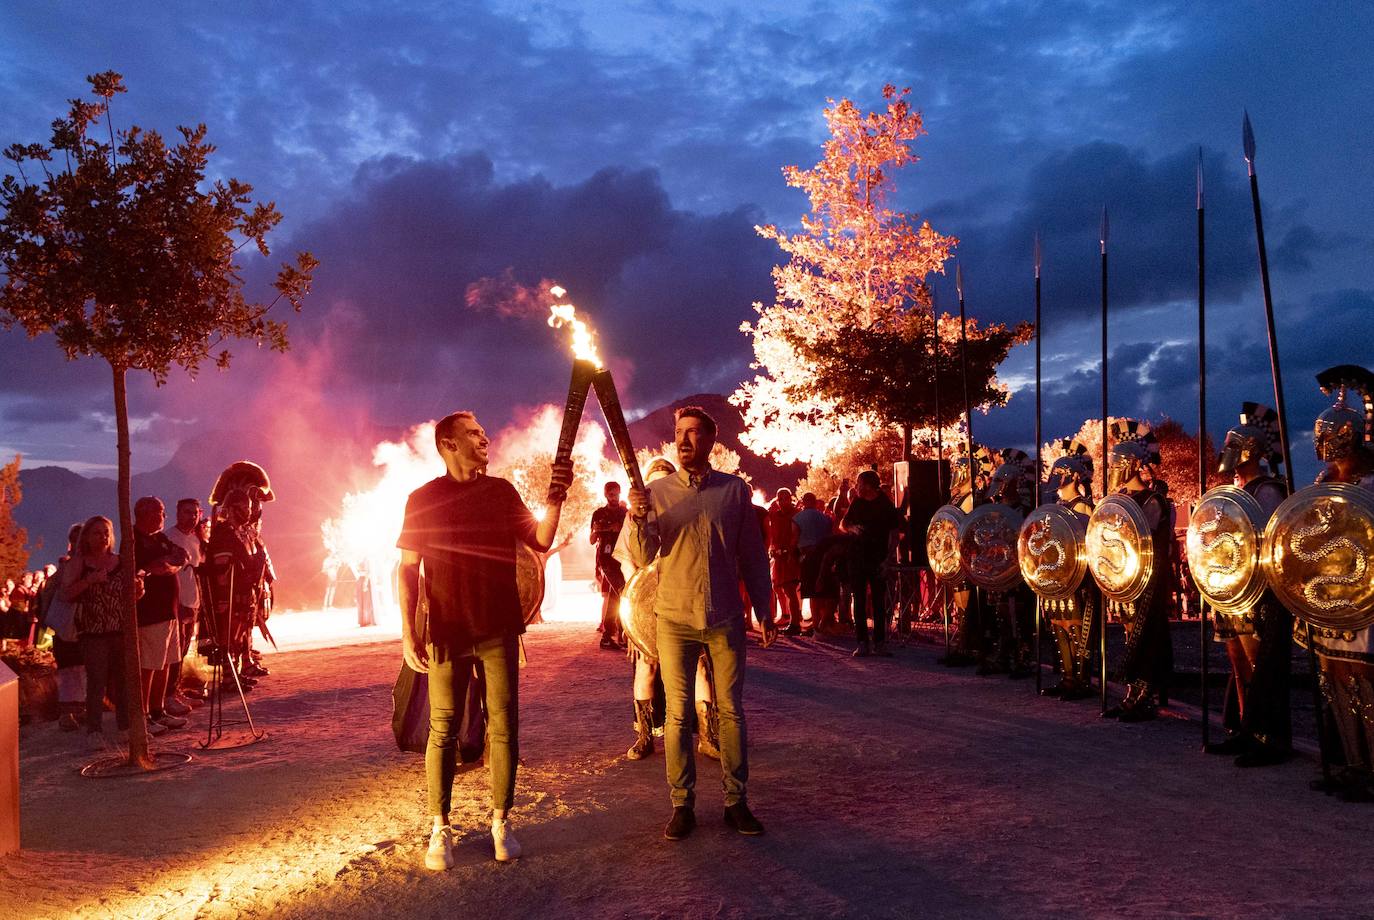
x=610, y=484
x=444, y=428
x=74, y=534
x=698, y=413
x=148, y=500
x=783, y=491
x=808, y=498
x=187, y=501
x=870, y=477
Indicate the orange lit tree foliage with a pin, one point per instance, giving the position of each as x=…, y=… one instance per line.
x=1177, y=451
x=722, y=458
x=123, y=250
x=850, y=344
x=14, y=557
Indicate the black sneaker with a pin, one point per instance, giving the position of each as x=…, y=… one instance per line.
x=682, y=823
x=738, y=817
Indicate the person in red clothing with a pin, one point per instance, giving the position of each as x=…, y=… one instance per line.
x=784, y=558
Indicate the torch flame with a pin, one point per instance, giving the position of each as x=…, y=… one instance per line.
x=583, y=339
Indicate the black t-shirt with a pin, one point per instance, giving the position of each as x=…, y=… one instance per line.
x=159, y=601
x=878, y=518
x=466, y=533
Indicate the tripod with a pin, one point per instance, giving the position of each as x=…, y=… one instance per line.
x=222, y=660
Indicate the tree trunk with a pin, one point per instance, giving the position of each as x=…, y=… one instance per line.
x=910, y=459
x=138, y=722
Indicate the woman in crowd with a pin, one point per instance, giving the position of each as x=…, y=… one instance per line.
x=94, y=581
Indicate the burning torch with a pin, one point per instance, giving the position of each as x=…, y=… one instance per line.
x=588, y=371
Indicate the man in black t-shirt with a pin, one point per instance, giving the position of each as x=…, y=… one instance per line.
x=607, y=522
x=463, y=528
x=875, y=524
x=159, y=559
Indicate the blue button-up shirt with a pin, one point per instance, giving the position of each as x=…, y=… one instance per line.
x=706, y=540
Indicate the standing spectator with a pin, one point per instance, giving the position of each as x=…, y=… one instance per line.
x=813, y=526
x=705, y=543
x=94, y=581
x=185, y=534
x=22, y=598
x=159, y=559
x=59, y=615
x=607, y=522
x=784, y=558
x=875, y=525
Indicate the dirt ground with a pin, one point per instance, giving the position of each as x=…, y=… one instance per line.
x=889, y=788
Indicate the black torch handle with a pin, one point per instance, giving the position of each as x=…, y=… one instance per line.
x=615, y=420
x=578, y=386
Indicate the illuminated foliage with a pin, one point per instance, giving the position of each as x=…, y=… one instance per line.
x=14, y=558
x=123, y=249
x=850, y=345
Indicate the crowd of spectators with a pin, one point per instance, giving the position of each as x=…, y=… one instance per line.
x=75, y=607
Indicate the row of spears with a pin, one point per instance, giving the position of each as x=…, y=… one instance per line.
x=1310, y=551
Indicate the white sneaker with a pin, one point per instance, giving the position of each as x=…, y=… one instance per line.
x=171, y=721
x=503, y=842
x=439, y=856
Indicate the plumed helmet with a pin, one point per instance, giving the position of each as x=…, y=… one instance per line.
x=249, y=477
x=1255, y=438
x=1134, y=448
x=964, y=476
x=1343, y=429
x=1016, y=471
x=1076, y=465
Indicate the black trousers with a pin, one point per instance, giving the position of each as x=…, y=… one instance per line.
x=869, y=583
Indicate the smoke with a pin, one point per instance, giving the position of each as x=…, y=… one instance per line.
x=506, y=297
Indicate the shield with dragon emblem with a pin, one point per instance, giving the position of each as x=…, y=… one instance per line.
x=1051, y=551
x=987, y=546
x=1224, y=536
x=942, y=545
x=1316, y=555
x=637, y=616
x=1121, y=555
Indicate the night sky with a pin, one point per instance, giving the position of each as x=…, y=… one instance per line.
x=627, y=150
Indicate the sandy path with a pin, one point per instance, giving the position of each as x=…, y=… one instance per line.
x=889, y=788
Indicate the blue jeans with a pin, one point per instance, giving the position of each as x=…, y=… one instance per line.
x=679, y=647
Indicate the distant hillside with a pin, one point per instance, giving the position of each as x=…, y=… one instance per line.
x=657, y=427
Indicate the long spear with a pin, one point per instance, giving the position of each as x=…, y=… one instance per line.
x=1102, y=240
x=963, y=361
x=1248, y=139
x=1039, y=466
x=939, y=444
x=1202, y=422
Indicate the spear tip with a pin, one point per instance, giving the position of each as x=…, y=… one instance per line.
x=1105, y=231
x=1037, y=253
x=1199, y=178
x=959, y=279
x=1248, y=138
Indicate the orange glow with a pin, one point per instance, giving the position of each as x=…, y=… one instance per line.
x=583, y=339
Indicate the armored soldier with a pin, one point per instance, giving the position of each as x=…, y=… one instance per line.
x=968, y=484
x=240, y=570
x=1258, y=639
x=1072, y=619
x=1341, y=438
x=1149, y=659
x=1013, y=484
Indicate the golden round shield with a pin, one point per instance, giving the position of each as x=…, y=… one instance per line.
x=637, y=616
x=1121, y=553
x=1224, y=536
x=1316, y=555
x=529, y=579
x=987, y=546
x=942, y=545
x=1051, y=550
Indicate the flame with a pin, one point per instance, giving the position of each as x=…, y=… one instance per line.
x=583, y=339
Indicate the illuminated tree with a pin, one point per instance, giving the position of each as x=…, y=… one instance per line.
x=14, y=557
x=123, y=250
x=722, y=458
x=851, y=345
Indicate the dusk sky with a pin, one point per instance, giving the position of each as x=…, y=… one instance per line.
x=627, y=150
